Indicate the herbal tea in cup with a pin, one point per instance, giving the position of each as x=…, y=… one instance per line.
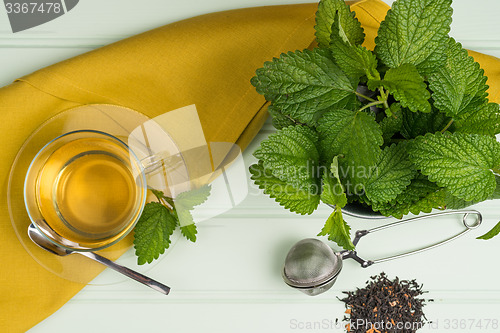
x=85, y=190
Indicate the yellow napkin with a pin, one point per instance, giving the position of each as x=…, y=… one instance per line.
x=206, y=60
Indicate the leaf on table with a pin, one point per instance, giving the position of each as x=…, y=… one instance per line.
x=407, y=86
x=325, y=16
x=187, y=200
x=185, y=203
x=338, y=230
x=152, y=232
x=415, y=32
x=462, y=163
x=459, y=87
x=297, y=201
x=492, y=233
x=290, y=154
x=303, y=84
x=189, y=231
x=484, y=120
x=392, y=174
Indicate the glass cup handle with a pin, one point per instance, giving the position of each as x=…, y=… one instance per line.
x=153, y=162
x=362, y=233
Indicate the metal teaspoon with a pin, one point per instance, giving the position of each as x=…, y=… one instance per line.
x=36, y=236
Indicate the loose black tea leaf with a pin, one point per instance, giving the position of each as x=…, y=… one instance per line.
x=385, y=306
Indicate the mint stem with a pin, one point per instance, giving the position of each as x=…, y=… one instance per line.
x=157, y=195
x=365, y=97
x=447, y=126
x=164, y=200
x=385, y=96
x=295, y=121
x=372, y=104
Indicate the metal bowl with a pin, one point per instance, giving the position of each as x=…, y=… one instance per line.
x=361, y=211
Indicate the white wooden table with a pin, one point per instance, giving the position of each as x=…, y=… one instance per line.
x=229, y=281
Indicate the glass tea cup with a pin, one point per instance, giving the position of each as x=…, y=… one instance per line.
x=85, y=190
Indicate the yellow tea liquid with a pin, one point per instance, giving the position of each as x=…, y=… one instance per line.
x=86, y=190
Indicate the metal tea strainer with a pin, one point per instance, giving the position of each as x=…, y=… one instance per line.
x=312, y=267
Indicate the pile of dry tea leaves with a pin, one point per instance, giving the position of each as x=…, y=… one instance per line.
x=385, y=306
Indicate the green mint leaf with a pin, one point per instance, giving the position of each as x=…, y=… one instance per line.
x=420, y=187
x=459, y=87
x=186, y=201
x=355, y=135
x=394, y=108
x=496, y=192
x=303, y=84
x=279, y=120
x=334, y=168
x=161, y=196
x=453, y=202
x=426, y=204
x=291, y=155
x=492, y=233
x=338, y=230
x=484, y=120
x=415, y=32
x=434, y=200
x=392, y=124
x=354, y=60
x=189, y=231
x=325, y=17
x=351, y=102
x=297, y=201
x=418, y=123
x=407, y=86
x=189, y=199
x=332, y=189
x=187, y=224
x=462, y=163
x=157, y=193
x=391, y=176
x=421, y=196
x=184, y=204
x=152, y=232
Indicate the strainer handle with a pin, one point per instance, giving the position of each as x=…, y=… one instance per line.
x=362, y=233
